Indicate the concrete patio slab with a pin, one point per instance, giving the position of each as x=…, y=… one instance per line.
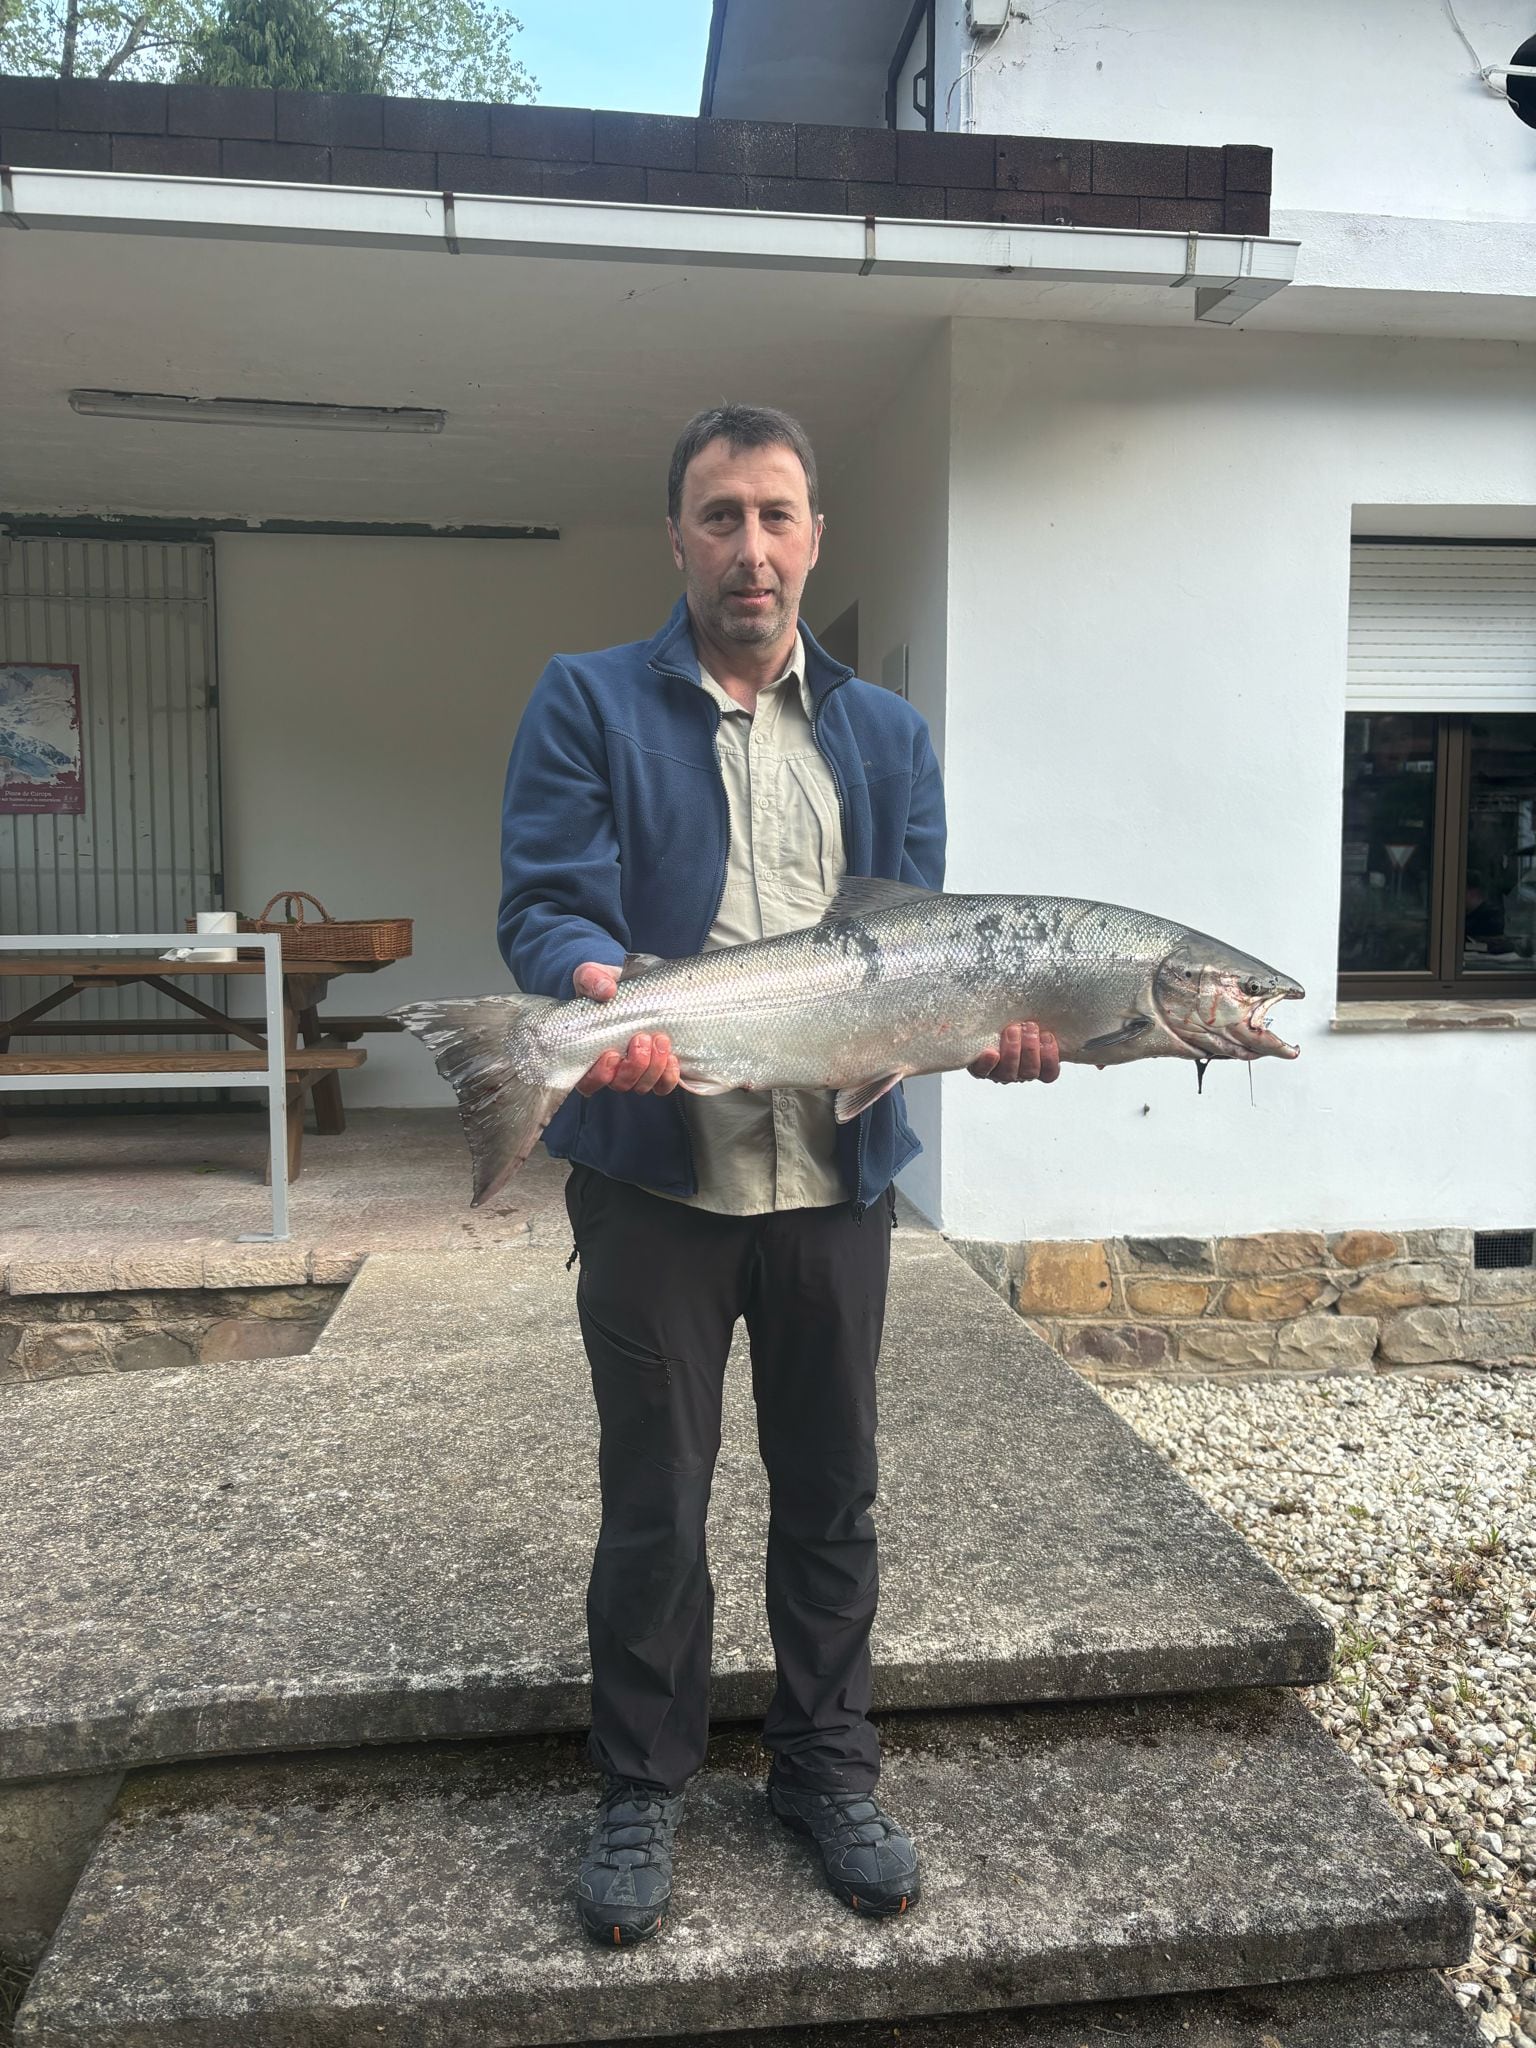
x=331, y=1550
x=96, y=1204
x=423, y=1896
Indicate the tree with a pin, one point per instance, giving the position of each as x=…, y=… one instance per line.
x=437, y=49
x=278, y=43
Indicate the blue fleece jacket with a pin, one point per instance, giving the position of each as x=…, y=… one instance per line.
x=614, y=837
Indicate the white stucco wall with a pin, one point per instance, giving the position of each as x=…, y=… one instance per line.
x=887, y=548
x=370, y=690
x=1149, y=581
x=1370, y=108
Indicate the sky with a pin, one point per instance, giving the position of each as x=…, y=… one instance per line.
x=646, y=55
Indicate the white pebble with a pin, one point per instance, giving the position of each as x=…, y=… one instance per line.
x=1439, y=1635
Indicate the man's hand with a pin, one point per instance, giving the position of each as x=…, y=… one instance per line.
x=648, y=1067
x=1024, y=1053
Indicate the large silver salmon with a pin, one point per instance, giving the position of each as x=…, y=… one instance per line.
x=893, y=981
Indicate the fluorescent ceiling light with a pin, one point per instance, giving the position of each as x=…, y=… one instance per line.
x=258, y=412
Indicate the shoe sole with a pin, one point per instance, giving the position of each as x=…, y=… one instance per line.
x=860, y=1902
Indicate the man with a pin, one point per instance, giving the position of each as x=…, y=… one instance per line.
x=707, y=788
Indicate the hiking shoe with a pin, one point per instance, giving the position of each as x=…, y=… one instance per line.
x=869, y=1859
x=625, y=1881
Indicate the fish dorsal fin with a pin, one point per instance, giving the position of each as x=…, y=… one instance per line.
x=641, y=963
x=864, y=895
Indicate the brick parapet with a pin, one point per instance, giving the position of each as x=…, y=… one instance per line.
x=657, y=159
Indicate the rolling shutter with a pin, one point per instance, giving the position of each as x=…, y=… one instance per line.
x=1439, y=628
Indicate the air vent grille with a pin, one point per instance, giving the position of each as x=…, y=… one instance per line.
x=1495, y=1249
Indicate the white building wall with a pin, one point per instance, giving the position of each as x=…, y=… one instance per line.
x=1371, y=108
x=887, y=548
x=1149, y=549
x=370, y=691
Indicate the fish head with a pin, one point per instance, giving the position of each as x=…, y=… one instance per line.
x=1217, y=1001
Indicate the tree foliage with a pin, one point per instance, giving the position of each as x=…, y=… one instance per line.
x=436, y=49
x=278, y=43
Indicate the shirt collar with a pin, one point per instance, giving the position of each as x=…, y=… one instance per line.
x=795, y=667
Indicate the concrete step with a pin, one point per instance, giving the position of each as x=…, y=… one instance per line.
x=396, y=1897
x=391, y=1542
x=1388, y=2009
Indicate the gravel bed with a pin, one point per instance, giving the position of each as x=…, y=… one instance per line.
x=1404, y=1508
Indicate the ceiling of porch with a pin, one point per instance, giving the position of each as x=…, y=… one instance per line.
x=564, y=382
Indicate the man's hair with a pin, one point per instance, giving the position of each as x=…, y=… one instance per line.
x=743, y=426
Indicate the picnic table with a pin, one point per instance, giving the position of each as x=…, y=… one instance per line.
x=316, y=1049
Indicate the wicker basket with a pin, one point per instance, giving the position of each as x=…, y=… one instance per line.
x=328, y=938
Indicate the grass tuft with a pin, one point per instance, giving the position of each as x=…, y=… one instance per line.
x=13, y=1988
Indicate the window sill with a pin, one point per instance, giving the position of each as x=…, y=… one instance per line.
x=1433, y=1014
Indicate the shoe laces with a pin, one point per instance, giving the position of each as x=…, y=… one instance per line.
x=850, y=1816
x=644, y=1827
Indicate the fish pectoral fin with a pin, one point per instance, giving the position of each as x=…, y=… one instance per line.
x=863, y=895
x=641, y=963
x=703, y=1084
x=1133, y=1027
x=852, y=1102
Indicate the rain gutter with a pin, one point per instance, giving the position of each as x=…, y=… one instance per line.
x=1225, y=276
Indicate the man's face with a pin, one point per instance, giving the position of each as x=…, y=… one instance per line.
x=745, y=541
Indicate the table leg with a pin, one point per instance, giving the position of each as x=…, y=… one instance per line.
x=330, y=1117
x=15, y=1027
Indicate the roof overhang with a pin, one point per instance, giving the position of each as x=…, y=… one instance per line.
x=1221, y=277
x=1400, y=274
x=564, y=357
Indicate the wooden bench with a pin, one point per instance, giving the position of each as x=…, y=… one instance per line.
x=305, y=1066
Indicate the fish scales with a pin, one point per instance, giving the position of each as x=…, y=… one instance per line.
x=767, y=1021
x=894, y=981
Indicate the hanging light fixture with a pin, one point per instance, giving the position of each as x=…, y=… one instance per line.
x=258, y=412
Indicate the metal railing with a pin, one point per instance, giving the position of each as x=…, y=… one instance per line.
x=273, y=1078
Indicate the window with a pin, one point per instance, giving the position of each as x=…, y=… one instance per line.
x=1439, y=881
x=1438, y=890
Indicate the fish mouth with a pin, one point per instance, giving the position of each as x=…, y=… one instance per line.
x=1222, y=1012
x=1253, y=1035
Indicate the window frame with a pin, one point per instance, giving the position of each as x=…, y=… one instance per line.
x=1444, y=979
x=921, y=17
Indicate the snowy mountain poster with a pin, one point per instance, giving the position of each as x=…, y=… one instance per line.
x=41, y=768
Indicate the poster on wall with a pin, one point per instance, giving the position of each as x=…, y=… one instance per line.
x=42, y=767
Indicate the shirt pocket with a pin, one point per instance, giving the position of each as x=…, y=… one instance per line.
x=811, y=856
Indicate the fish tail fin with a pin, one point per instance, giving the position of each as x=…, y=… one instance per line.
x=504, y=1113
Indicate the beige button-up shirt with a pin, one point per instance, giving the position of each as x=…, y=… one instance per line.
x=759, y=1152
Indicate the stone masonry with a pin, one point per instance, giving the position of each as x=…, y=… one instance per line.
x=52, y=1336
x=1295, y=1301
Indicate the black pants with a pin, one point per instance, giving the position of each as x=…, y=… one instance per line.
x=662, y=1286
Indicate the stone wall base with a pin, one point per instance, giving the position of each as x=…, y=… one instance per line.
x=47, y=1831
x=1294, y=1301
x=49, y=1336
